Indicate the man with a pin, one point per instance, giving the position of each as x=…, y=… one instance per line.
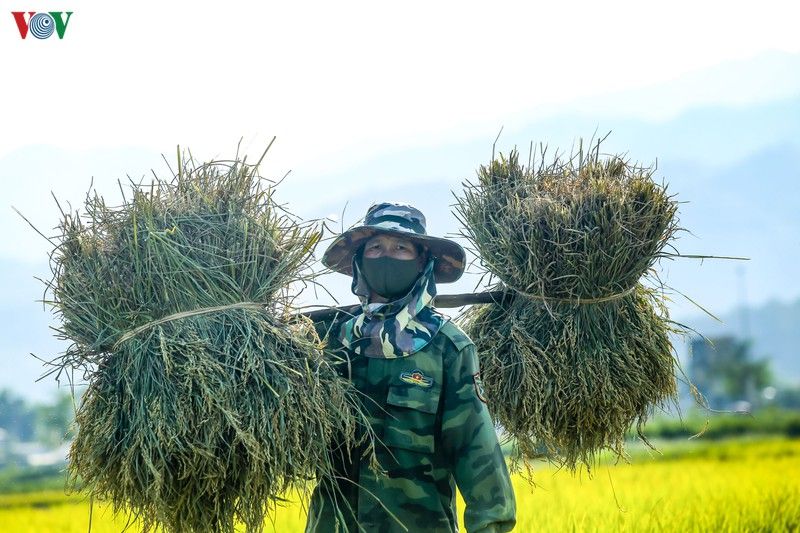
x=419, y=376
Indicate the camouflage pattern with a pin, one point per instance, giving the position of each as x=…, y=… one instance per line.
x=398, y=328
x=397, y=219
x=434, y=434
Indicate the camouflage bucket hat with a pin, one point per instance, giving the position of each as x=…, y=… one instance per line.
x=396, y=219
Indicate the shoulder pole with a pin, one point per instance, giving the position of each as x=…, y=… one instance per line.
x=441, y=300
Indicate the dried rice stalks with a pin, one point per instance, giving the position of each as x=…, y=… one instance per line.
x=580, y=351
x=207, y=398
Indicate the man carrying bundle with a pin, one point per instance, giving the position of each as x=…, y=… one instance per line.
x=419, y=375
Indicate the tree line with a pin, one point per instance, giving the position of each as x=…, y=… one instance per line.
x=48, y=423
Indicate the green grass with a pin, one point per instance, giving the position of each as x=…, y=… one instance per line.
x=771, y=421
x=27, y=479
x=699, y=485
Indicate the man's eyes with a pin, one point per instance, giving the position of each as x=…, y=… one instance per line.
x=396, y=245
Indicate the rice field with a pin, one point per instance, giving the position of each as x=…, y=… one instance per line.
x=740, y=485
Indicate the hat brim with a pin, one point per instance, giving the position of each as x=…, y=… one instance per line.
x=450, y=256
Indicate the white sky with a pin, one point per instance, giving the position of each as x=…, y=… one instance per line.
x=336, y=80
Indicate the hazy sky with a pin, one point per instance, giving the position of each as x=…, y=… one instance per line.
x=336, y=80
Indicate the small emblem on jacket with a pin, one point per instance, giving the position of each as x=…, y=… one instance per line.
x=479, y=387
x=415, y=377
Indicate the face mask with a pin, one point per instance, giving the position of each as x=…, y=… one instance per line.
x=388, y=276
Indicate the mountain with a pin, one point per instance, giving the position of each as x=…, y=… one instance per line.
x=706, y=140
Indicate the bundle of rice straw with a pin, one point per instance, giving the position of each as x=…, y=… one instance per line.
x=579, y=350
x=206, y=398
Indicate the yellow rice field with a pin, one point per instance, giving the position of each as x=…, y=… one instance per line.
x=732, y=486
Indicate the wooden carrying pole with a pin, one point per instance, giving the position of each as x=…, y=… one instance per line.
x=441, y=300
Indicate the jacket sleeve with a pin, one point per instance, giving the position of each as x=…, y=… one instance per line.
x=471, y=447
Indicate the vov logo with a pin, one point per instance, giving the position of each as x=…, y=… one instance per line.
x=42, y=25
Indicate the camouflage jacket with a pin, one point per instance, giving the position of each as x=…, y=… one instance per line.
x=435, y=433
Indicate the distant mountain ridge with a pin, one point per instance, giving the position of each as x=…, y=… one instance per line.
x=707, y=139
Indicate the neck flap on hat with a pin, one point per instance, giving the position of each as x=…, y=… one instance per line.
x=394, y=329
